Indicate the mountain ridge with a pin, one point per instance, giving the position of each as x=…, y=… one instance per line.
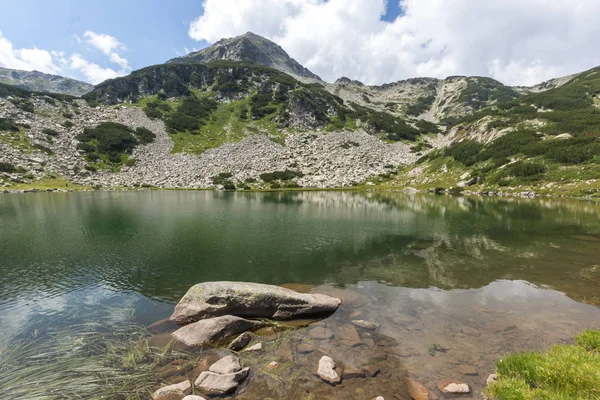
x=36, y=81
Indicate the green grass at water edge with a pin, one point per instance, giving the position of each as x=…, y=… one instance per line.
x=561, y=372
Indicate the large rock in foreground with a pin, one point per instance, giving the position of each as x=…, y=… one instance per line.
x=208, y=331
x=219, y=384
x=252, y=300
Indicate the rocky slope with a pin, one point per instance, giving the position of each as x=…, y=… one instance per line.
x=39, y=82
x=250, y=48
x=238, y=124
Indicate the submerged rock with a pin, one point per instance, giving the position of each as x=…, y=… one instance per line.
x=172, y=392
x=256, y=347
x=326, y=371
x=240, y=342
x=213, y=383
x=211, y=330
x=348, y=336
x=467, y=370
x=364, y=324
x=449, y=386
x=417, y=391
x=320, y=333
x=226, y=365
x=253, y=300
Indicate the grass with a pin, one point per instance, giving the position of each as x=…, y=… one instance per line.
x=50, y=183
x=17, y=139
x=562, y=372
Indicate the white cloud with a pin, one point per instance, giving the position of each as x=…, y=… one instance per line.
x=105, y=43
x=515, y=41
x=93, y=72
x=26, y=59
x=57, y=62
x=123, y=63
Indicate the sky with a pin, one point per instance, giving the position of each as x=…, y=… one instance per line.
x=518, y=42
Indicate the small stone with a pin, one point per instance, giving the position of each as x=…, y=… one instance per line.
x=193, y=397
x=320, y=333
x=256, y=347
x=467, y=370
x=467, y=330
x=490, y=379
x=449, y=386
x=212, y=383
x=305, y=348
x=226, y=365
x=348, y=336
x=326, y=371
x=364, y=324
x=171, y=391
x=417, y=391
x=273, y=365
x=370, y=370
x=240, y=342
x=351, y=372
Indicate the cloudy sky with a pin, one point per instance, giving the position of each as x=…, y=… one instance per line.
x=519, y=42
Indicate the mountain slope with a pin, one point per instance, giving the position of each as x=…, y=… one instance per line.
x=250, y=48
x=40, y=82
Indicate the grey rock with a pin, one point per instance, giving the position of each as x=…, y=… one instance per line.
x=240, y=342
x=208, y=331
x=253, y=300
x=171, y=391
x=212, y=383
x=226, y=365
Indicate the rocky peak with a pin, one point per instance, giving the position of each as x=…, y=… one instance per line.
x=347, y=81
x=250, y=48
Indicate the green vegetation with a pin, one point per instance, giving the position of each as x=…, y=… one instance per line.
x=14, y=135
x=109, y=144
x=50, y=132
x=9, y=168
x=423, y=104
x=286, y=175
x=562, y=372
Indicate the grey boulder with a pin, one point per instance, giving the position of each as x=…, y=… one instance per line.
x=251, y=300
x=208, y=331
x=213, y=383
x=226, y=365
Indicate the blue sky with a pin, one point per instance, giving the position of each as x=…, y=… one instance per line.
x=151, y=30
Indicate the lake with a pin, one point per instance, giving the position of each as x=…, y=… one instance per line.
x=83, y=276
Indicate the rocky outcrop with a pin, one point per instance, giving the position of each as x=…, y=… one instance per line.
x=250, y=48
x=251, y=300
x=208, y=331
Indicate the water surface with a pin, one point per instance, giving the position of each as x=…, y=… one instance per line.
x=479, y=276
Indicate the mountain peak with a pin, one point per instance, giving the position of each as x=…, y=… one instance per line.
x=250, y=47
x=41, y=82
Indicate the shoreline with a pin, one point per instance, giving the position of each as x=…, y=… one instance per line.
x=482, y=192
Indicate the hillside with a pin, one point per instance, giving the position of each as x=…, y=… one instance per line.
x=39, y=82
x=250, y=48
x=245, y=125
x=548, y=141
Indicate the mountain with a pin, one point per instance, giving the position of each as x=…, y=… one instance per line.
x=250, y=48
x=40, y=82
x=227, y=120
